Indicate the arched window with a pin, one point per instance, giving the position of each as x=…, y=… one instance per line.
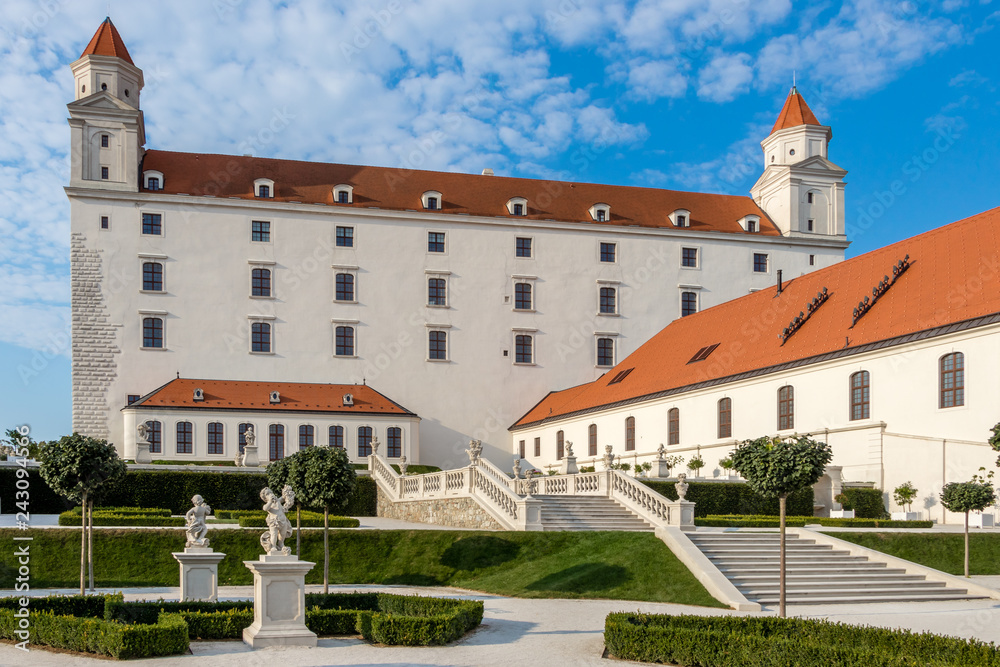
x=630, y=434
x=559, y=445
x=152, y=277
x=345, y=287
x=152, y=332
x=786, y=408
x=336, y=436
x=276, y=442
x=673, y=426
x=522, y=296
x=364, y=441
x=242, y=429
x=307, y=436
x=952, y=380
x=260, y=282
x=726, y=418
x=215, y=441
x=155, y=437
x=592, y=440
x=185, y=438
x=860, y=395
x=394, y=442
x=260, y=337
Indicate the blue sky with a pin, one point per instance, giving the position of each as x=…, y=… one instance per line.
x=671, y=93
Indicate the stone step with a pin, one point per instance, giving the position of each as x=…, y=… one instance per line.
x=891, y=596
x=846, y=568
x=824, y=549
x=758, y=589
x=822, y=574
x=755, y=561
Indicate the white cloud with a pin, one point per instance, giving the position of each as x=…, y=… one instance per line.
x=725, y=77
x=653, y=79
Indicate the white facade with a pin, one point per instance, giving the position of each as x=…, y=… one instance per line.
x=907, y=436
x=479, y=376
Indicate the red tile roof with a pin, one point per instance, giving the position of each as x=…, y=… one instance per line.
x=953, y=278
x=107, y=42
x=255, y=396
x=400, y=190
x=795, y=112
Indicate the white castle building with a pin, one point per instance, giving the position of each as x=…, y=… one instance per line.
x=462, y=296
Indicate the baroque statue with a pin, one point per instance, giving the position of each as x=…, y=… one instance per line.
x=196, y=528
x=609, y=458
x=517, y=468
x=279, y=528
x=143, y=431
x=474, y=451
x=681, y=486
x=661, y=452
x=569, y=449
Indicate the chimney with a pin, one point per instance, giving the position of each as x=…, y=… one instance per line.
x=780, y=286
x=487, y=172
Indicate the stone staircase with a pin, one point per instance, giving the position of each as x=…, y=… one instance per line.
x=815, y=573
x=588, y=513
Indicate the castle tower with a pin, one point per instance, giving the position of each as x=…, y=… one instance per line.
x=800, y=188
x=107, y=130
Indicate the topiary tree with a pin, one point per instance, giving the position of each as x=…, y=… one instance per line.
x=695, y=464
x=327, y=479
x=904, y=495
x=776, y=467
x=77, y=467
x=968, y=496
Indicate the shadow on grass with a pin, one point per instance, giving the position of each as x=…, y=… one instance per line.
x=582, y=578
x=413, y=579
x=479, y=551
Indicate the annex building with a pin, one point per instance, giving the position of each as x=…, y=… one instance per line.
x=462, y=296
x=891, y=357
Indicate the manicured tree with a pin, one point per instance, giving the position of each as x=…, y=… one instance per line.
x=776, y=467
x=904, y=495
x=77, y=467
x=328, y=481
x=280, y=473
x=968, y=496
x=994, y=440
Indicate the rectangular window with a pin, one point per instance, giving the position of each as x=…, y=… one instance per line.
x=345, y=235
x=345, y=287
x=260, y=282
x=518, y=209
x=560, y=445
x=689, y=303
x=592, y=440
x=522, y=296
x=520, y=449
x=260, y=337
x=437, y=343
x=364, y=441
x=105, y=141
x=689, y=258
x=435, y=241
x=809, y=197
x=276, y=438
x=155, y=437
x=437, y=292
x=307, y=436
x=336, y=438
x=673, y=426
x=153, y=184
x=538, y=446
x=152, y=332
x=860, y=395
x=152, y=223
x=523, y=351
x=952, y=387
x=264, y=191
x=104, y=173
x=760, y=262
x=394, y=442
x=812, y=260
x=522, y=247
x=215, y=441
x=607, y=252
x=605, y=352
x=132, y=398
x=185, y=438
x=152, y=277
x=630, y=434
x=345, y=342
x=809, y=225
x=432, y=203
x=786, y=408
x=726, y=418
x=105, y=222
x=260, y=231
x=608, y=301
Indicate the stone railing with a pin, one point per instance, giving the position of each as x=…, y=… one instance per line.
x=483, y=482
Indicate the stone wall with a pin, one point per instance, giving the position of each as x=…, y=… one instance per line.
x=94, y=342
x=445, y=512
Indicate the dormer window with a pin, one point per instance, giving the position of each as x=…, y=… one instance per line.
x=600, y=212
x=152, y=180
x=343, y=194
x=750, y=223
x=348, y=400
x=431, y=200
x=681, y=218
x=275, y=397
x=263, y=188
x=517, y=206
x=199, y=395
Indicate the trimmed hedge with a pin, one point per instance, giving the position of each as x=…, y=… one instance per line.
x=867, y=503
x=767, y=641
x=168, y=636
x=742, y=521
x=173, y=490
x=153, y=511
x=71, y=605
x=724, y=498
x=311, y=521
x=114, y=519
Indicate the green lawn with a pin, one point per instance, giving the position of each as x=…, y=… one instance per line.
x=610, y=565
x=941, y=551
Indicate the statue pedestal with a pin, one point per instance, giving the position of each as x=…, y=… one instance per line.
x=568, y=466
x=199, y=573
x=681, y=514
x=279, y=602
x=250, y=459
x=142, y=453
x=660, y=469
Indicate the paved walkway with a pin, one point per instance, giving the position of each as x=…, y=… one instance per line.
x=551, y=632
x=367, y=522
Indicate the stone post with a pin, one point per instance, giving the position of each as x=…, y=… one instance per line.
x=279, y=602
x=568, y=466
x=529, y=514
x=142, y=453
x=199, y=573
x=250, y=459
x=660, y=469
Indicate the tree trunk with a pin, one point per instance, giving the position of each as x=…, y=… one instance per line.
x=967, y=544
x=781, y=558
x=326, y=549
x=298, y=529
x=83, y=543
x=90, y=542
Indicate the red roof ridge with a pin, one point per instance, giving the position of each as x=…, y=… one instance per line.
x=107, y=42
x=795, y=112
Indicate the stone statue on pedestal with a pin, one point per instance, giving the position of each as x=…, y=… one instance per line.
x=609, y=458
x=474, y=451
x=278, y=527
x=250, y=437
x=197, y=529
x=142, y=444
x=517, y=468
x=143, y=431
x=661, y=452
x=403, y=465
x=375, y=445
x=681, y=486
x=569, y=449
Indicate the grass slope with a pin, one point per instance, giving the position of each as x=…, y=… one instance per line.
x=942, y=551
x=610, y=565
